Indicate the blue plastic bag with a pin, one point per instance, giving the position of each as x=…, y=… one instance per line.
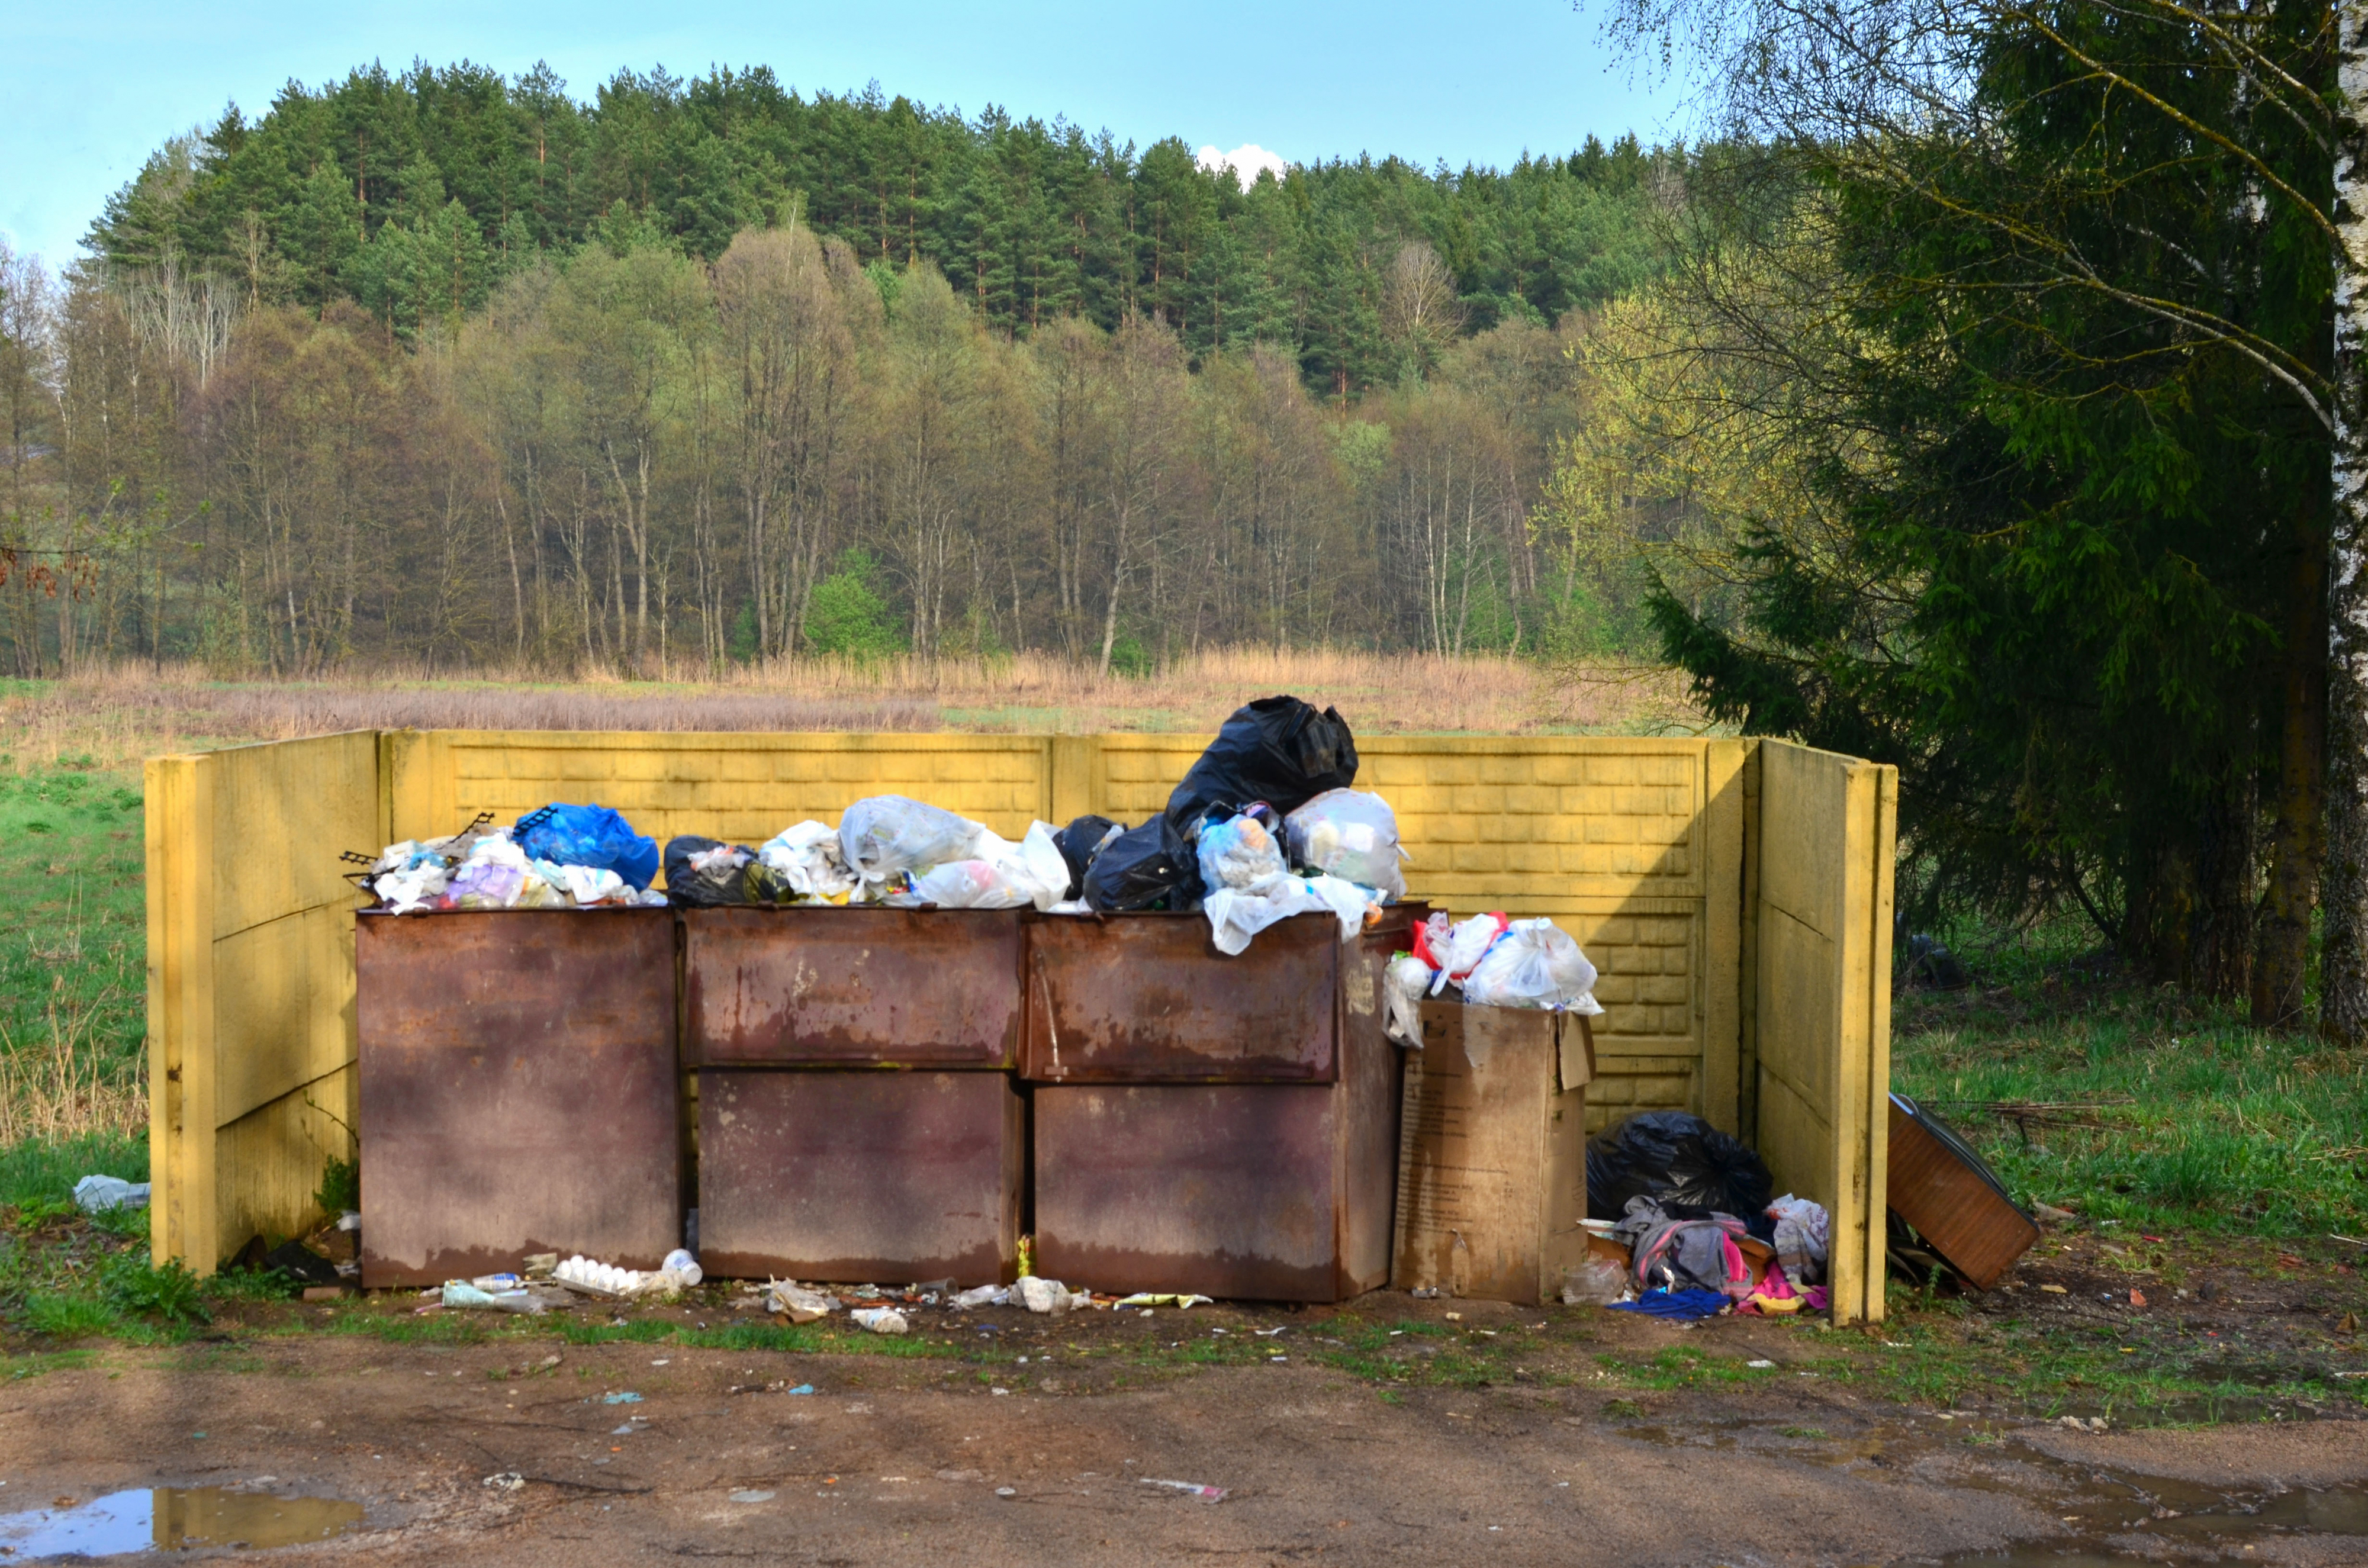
x=588, y=836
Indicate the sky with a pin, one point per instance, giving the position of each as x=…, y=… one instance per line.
x=87, y=91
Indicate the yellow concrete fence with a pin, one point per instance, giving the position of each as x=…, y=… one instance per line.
x=1736, y=894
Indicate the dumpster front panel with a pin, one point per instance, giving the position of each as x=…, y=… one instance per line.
x=847, y=987
x=1227, y=1189
x=517, y=1090
x=1148, y=998
x=860, y=1175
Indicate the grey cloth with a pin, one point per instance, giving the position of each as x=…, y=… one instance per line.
x=1675, y=1255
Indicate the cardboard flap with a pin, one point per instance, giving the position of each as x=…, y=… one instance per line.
x=1574, y=1041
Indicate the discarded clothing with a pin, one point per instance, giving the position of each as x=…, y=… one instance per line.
x=1685, y=1304
x=1670, y=1252
x=1800, y=1243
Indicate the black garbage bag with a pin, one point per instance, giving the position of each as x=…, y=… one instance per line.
x=698, y=877
x=1278, y=750
x=1681, y=1162
x=1077, y=841
x=1151, y=867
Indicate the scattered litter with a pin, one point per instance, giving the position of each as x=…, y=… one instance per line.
x=1271, y=1332
x=982, y=1296
x=998, y=1392
x=752, y=1496
x=2092, y=1424
x=621, y=1399
x=1190, y=1489
x=2054, y=1290
x=1006, y=1491
x=796, y=1302
x=506, y=1481
x=1594, y=1280
x=1150, y=1298
x=1048, y=1296
x=882, y=1320
x=98, y=1194
x=597, y=1279
x=1761, y=1365
x=2137, y=1298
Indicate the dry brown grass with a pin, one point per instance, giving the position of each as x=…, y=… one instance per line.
x=57, y=1088
x=114, y=717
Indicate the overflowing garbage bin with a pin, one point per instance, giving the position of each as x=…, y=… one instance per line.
x=859, y=1118
x=519, y=1089
x=1225, y=1125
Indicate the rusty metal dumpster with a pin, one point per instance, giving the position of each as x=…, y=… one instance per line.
x=857, y=1117
x=1223, y=1125
x=518, y=1090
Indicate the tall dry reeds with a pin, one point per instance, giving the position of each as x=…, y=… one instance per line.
x=57, y=1088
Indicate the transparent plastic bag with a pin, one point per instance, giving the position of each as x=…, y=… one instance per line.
x=883, y=836
x=1536, y=964
x=1238, y=853
x=967, y=884
x=1349, y=835
x=1594, y=1280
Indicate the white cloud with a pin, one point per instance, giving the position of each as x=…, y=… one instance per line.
x=1246, y=161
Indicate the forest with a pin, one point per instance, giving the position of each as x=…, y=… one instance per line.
x=457, y=370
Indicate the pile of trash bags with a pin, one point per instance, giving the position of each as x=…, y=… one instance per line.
x=1267, y=824
x=1693, y=1209
x=1489, y=961
x=560, y=856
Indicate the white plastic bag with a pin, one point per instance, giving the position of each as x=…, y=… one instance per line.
x=1238, y=853
x=807, y=857
x=1236, y=914
x=1467, y=943
x=1349, y=835
x=882, y=835
x=1536, y=965
x=1403, y=983
x=966, y=884
x=1594, y=1280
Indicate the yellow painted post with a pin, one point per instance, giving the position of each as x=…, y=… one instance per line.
x=1875, y=1138
x=1856, y=1246
x=1073, y=777
x=1722, y=978
x=1747, y=949
x=180, y=853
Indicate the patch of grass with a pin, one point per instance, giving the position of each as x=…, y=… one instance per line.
x=2183, y=1116
x=46, y=1170
x=72, y=1316
x=73, y=954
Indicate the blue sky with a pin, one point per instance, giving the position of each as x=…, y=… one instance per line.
x=86, y=91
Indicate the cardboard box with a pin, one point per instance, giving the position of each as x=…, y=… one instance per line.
x=1492, y=1153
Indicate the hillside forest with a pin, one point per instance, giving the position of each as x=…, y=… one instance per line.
x=456, y=371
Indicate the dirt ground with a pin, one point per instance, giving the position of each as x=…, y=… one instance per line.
x=891, y=1461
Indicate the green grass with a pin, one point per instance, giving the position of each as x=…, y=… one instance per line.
x=73, y=948
x=2203, y=1122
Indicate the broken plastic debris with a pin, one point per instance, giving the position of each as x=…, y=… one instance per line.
x=621, y=1399
x=982, y=1295
x=1153, y=1299
x=1190, y=1489
x=752, y=1496
x=799, y=1304
x=506, y=1481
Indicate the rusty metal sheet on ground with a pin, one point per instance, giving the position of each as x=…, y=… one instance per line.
x=1148, y=998
x=517, y=1090
x=847, y=987
x=1227, y=1189
x=857, y=1175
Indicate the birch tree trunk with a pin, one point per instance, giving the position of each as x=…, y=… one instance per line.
x=2343, y=995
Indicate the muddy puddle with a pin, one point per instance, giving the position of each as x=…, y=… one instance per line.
x=171, y=1518
x=2110, y=1516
